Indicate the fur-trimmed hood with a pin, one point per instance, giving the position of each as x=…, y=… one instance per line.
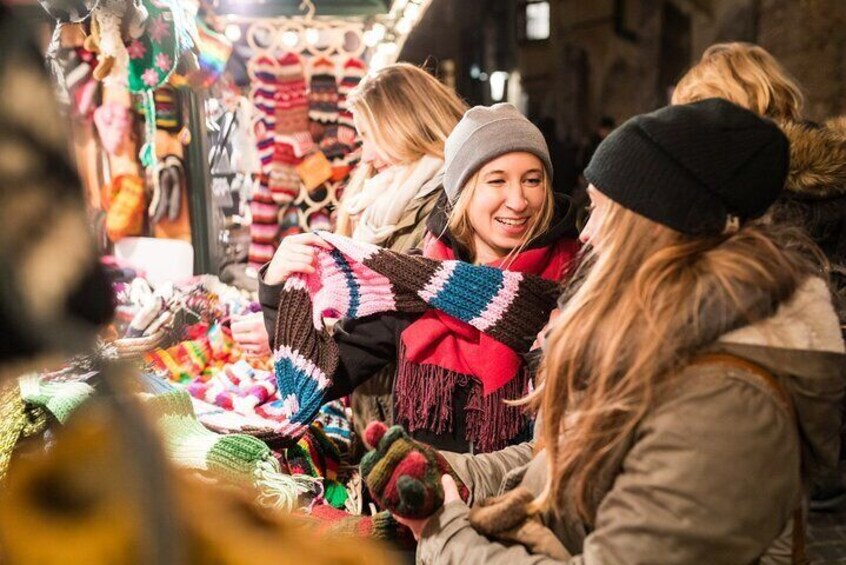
x=817, y=158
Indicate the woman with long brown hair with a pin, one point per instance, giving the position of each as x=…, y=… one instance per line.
x=678, y=376
x=814, y=196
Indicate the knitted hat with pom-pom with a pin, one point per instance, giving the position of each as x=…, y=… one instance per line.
x=404, y=475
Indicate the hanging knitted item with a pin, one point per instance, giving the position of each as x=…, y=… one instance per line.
x=125, y=215
x=322, y=97
x=107, y=19
x=113, y=123
x=235, y=459
x=215, y=50
x=292, y=106
x=153, y=58
x=264, y=229
x=354, y=280
x=167, y=195
x=168, y=116
x=69, y=10
x=404, y=475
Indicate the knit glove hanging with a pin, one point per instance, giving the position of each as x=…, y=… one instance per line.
x=355, y=280
x=404, y=475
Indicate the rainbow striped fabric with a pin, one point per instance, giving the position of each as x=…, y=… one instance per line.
x=356, y=280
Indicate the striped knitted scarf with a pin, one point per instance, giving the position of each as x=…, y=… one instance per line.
x=355, y=280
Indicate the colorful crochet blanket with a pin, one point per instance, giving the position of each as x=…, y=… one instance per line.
x=355, y=280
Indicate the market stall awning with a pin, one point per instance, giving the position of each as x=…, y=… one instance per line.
x=273, y=8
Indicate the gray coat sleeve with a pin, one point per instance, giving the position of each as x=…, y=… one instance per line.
x=483, y=474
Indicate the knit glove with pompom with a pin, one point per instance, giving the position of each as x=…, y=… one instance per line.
x=404, y=475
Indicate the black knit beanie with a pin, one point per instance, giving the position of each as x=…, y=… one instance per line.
x=701, y=168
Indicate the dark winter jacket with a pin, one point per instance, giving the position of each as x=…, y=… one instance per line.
x=369, y=344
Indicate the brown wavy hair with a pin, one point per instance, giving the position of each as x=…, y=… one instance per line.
x=642, y=304
x=745, y=74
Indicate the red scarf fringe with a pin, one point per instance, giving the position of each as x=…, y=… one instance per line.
x=425, y=401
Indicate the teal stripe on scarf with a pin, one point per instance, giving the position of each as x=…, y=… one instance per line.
x=469, y=291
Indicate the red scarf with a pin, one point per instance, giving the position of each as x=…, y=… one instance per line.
x=444, y=341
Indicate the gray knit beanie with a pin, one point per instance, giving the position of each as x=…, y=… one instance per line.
x=483, y=134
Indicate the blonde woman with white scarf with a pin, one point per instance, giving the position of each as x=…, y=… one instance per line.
x=403, y=116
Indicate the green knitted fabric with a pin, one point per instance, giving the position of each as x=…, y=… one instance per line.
x=236, y=459
x=59, y=399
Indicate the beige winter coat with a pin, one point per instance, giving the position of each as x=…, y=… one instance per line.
x=711, y=475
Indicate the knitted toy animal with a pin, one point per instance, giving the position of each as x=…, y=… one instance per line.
x=404, y=475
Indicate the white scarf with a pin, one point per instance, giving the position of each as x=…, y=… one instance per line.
x=385, y=196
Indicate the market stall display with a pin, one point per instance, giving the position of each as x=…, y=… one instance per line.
x=147, y=84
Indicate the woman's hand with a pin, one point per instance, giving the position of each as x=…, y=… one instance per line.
x=250, y=333
x=450, y=495
x=295, y=255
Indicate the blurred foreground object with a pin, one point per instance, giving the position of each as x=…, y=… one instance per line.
x=100, y=489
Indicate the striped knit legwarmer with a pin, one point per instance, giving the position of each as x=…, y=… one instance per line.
x=355, y=280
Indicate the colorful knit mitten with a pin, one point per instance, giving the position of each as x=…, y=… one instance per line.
x=404, y=475
x=125, y=216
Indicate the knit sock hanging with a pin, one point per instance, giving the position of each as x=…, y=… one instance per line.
x=264, y=229
x=323, y=98
x=354, y=71
x=284, y=180
x=265, y=211
x=263, y=93
x=292, y=106
x=354, y=280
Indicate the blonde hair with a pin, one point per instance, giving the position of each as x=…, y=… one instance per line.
x=408, y=113
x=462, y=230
x=745, y=74
x=646, y=304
